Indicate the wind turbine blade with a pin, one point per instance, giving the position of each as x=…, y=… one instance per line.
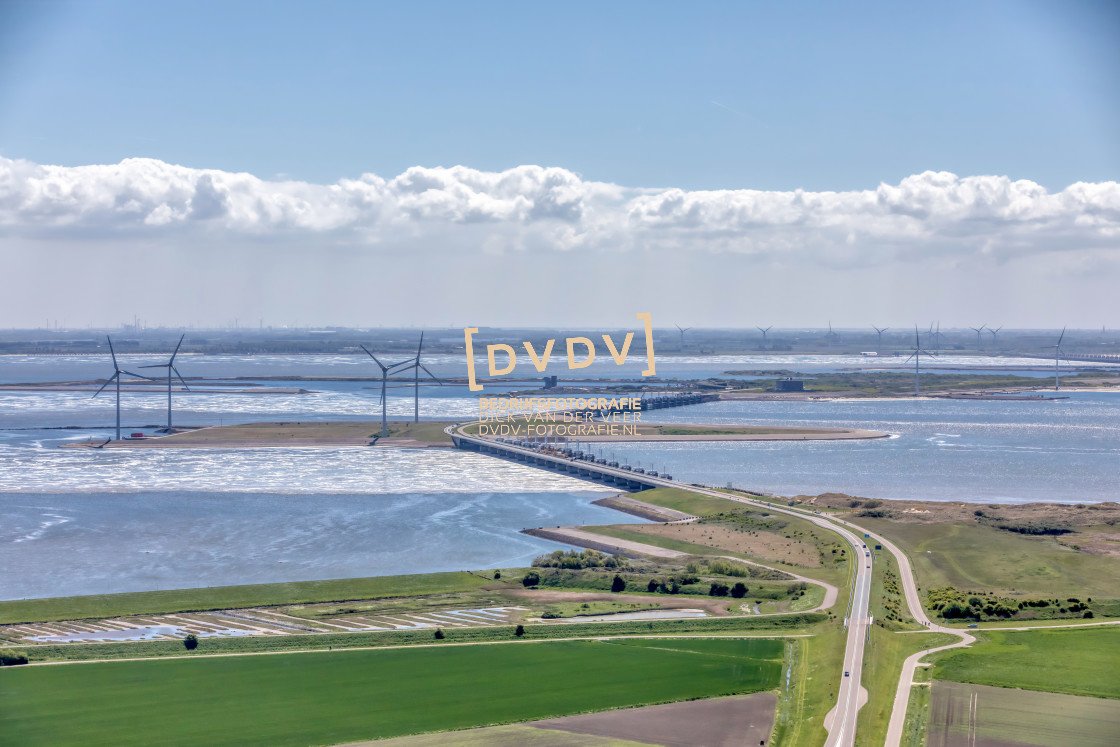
x=1060, y=337
x=139, y=376
x=107, y=383
x=420, y=346
x=431, y=374
x=157, y=365
x=371, y=355
x=181, y=378
x=112, y=353
x=911, y=357
x=172, y=361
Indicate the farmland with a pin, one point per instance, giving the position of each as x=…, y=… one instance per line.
x=963, y=715
x=333, y=697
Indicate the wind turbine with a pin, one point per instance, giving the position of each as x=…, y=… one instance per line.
x=683, y=330
x=994, y=332
x=116, y=377
x=880, y=332
x=978, y=330
x=764, y=331
x=170, y=366
x=1057, y=355
x=917, y=356
x=416, y=365
x=385, y=371
x=831, y=334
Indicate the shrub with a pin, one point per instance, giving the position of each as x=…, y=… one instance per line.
x=532, y=578
x=191, y=642
x=652, y=587
x=10, y=658
x=975, y=601
x=577, y=559
x=720, y=567
x=519, y=631
x=954, y=610
x=1088, y=614
x=618, y=584
x=718, y=590
x=497, y=575
x=739, y=590
x=550, y=615
x=439, y=634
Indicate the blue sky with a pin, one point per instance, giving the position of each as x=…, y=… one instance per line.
x=889, y=161
x=691, y=95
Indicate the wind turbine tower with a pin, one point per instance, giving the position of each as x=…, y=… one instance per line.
x=917, y=356
x=170, y=366
x=116, y=377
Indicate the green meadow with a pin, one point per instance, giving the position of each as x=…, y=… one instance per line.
x=1078, y=661
x=334, y=697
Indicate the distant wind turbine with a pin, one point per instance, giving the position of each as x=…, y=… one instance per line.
x=170, y=366
x=978, y=330
x=1057, y=356
x=880, y=331
x=683, y=330
x=416, y=365
x=385, y=371
x=917, y=356
x=116, y=377
x=995, y=332
x=764, y=331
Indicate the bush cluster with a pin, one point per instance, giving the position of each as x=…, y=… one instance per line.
x=577, y=559
x=10, y=658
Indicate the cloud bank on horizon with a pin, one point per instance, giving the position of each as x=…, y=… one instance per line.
x=547, y=208
x=202, y=246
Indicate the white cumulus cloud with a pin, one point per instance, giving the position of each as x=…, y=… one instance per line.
x=542, y=209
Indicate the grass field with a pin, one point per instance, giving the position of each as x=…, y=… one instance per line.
x=228, y=597
x=1078, y=661
x=981, y=558
x=327, y=698
x=963, y=715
